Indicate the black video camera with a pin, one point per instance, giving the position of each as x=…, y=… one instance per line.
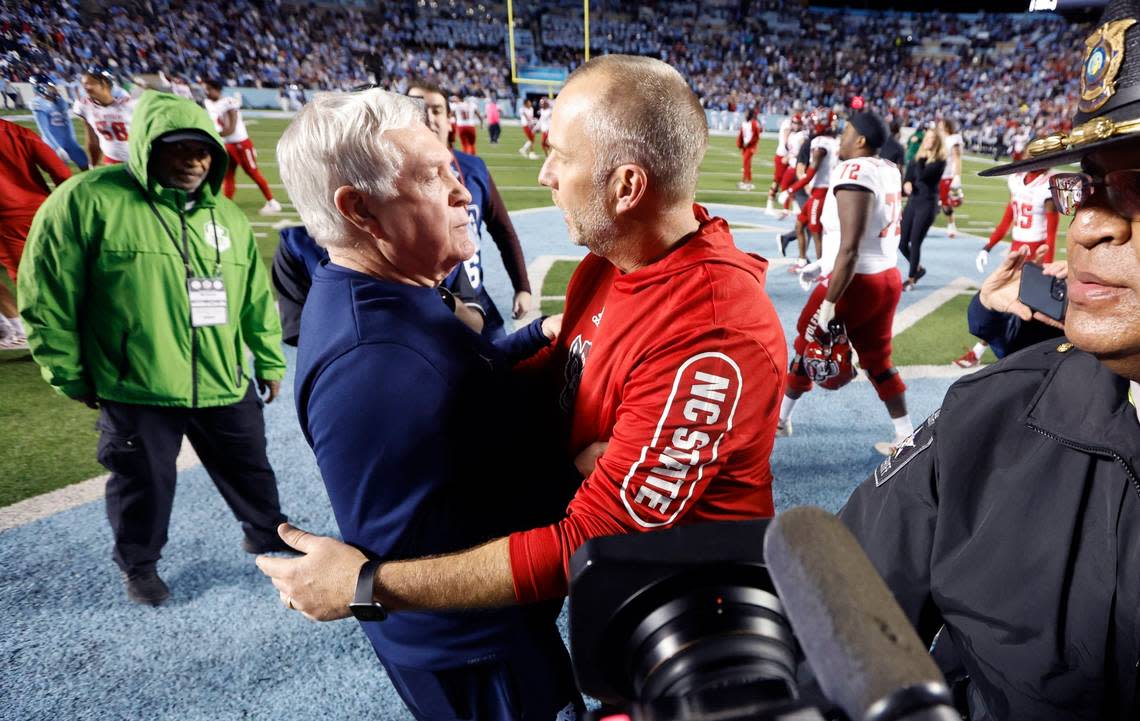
x=687, y=623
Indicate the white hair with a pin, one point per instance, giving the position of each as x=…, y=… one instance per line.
x=337, y=139
x=652, y=119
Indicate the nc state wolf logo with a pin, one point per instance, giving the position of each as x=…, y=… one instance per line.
x=699, y=411
x=575, y=365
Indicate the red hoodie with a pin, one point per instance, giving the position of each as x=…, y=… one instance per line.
x=684, y=364
x=22, y=154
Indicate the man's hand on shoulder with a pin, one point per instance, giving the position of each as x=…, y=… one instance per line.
x=321, y=583
x=268, y=390
x=552, y=326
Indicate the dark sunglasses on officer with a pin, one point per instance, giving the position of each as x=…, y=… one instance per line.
x=1121, y=188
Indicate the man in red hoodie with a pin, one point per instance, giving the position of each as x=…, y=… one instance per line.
x=747, y=139
x=670, y=362
x=22, y=190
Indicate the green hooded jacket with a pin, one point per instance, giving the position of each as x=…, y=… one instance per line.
x=102, y=285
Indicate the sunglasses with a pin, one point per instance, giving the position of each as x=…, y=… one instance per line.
x=1070, y=191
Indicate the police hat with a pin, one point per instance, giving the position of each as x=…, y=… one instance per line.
x=1108, y=109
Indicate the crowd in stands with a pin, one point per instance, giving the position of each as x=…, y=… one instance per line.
x=988, y=72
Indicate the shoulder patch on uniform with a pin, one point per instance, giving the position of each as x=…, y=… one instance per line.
x=912, y=447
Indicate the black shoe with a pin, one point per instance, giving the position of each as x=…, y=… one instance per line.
x=785, y=241
x=274, y=545
x=146, y=588
x=921, y=272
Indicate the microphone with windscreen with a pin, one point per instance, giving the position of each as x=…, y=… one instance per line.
x=866, y=656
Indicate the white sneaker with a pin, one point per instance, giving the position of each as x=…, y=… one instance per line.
x=795, y=267
x=522, y=152
x=532, y=156
x=271, y=207
x=14, y=341
x=741, y=185
x=952, y=231
x=784, y=428
x=885, y=448
x=749, y=186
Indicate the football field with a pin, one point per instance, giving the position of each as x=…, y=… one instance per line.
x=51, y=440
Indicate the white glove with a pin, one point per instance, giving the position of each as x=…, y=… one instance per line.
x=956, y=181
x=782, y=198
x=982, y=260
x=825, y=315
x=809, y=275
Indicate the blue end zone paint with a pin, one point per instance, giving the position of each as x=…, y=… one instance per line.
x=72, y=647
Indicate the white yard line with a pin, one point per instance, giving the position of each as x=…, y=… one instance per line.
x=77, y=494
x=917, y=311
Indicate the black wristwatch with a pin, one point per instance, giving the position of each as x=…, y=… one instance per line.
x=363, y=606
x=447, y=297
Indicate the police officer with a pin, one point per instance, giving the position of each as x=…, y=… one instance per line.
x=1008, y=524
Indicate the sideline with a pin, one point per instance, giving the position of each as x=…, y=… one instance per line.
x=76, y=494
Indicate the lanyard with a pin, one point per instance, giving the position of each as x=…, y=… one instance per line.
x=184, y=249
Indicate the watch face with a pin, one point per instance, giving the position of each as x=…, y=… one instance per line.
x=368, y=611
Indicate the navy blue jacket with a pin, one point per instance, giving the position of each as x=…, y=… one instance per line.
x=413, y=421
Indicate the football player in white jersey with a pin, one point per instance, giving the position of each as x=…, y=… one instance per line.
x=106, y=116
x=545, y=108
x=1034, y=220
x=526, y=118
x=950, y=187
x=225, y=111
x=859, y=283
x=817, y=176
x=790, y=124
x=467, y=116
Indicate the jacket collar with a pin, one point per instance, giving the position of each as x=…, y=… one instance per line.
x=1084, y=404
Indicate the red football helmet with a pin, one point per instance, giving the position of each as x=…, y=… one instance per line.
x=827, y=358
x=797, y=119
x=955, y=197
x=823, y=120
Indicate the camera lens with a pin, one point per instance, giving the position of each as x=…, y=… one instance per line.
x=1057, y=289
x=712, y=636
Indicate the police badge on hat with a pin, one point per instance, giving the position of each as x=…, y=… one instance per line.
x=1103, y=55
x=1108, y=108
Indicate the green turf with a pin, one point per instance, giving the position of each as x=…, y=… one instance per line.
x=557, y=277
x=49, y=441
x=52, y=437
x=551, y=307
x=939, y=338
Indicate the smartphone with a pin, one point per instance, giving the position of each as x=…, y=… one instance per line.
x=1043, y=293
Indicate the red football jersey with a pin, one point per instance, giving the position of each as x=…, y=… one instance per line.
x=680, y=367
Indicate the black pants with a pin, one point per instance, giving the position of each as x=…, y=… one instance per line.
x=917, y=218
x=495, y=130
x=139, y=444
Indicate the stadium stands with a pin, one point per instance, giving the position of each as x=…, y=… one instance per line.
x=989, y=72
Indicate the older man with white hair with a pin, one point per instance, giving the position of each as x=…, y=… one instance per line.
x=670, y=360
x=389, y=384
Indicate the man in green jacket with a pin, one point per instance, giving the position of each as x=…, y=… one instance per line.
x=141, y=289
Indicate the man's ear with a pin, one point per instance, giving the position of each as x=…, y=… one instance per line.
x=351, y=203
x=629, y=183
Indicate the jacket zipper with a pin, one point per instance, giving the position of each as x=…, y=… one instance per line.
x=1094, y=451
x=1135, y=485
x=193, y=330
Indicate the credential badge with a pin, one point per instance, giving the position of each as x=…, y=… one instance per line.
x=1104, y=52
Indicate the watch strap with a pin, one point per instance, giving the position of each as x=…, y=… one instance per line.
x=364, y=606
